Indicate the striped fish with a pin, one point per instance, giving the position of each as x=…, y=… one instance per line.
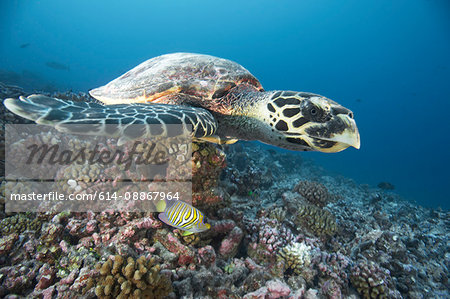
x=184, y=216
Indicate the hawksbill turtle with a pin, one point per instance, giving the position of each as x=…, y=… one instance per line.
x=222, y=101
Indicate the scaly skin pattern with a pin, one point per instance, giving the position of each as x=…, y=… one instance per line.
x=113, y=120
x=291, y=120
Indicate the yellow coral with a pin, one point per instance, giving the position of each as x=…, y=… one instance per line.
x=370, y=280
x=319, y=221
x=20, y=223
x=131, y=279
x=278, y=213
x=296, y=257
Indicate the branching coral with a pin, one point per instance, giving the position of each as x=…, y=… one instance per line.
x=130, y=278
x=296, y=256
x=278, y=213
x=319, y=221
x=314, y=192
x=371, y=281
x=266, y=238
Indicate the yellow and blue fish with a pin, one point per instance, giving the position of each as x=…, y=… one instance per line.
x=184, y=216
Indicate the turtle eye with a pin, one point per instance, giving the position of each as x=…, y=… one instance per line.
x=314, y=113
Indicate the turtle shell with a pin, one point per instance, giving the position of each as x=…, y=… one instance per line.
x=178, y=78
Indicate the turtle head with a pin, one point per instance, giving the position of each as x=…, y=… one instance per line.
x=306, y=121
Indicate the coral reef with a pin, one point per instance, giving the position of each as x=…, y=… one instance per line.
x=168, y=240
x=278, y=214
x=10, y=91
x=327, y=237
x=19, y=278
x=230, y=243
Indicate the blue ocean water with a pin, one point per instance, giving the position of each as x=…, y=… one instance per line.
x=386, y=60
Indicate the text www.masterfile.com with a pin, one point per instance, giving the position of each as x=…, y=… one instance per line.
x=52, y=196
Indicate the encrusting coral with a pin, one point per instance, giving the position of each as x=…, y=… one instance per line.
x=19, y=223
x=130, y=278
x=265, y=241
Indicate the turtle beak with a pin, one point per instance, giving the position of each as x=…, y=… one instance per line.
x=349, y=136
x=335, y=135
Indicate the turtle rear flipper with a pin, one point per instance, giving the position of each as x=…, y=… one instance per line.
x=95, y=119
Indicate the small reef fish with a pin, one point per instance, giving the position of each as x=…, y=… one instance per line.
x=183, y=216
x=386, y=186
x=57, y=66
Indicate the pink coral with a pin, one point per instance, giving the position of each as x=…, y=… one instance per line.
x=230, y=243
x=19, y=277
x=333, y=265
x=208, y=162
x=45, y=277
x=148, y=223
x=277, y=289
x=70, y=278
x=207, y=256
x=91, y=226
x=169, y=241
x=274, y=289
x=331, y=289
x=252, y=265
x=268, y=236
x=223, y=226
x=48, y=292
x=64, y=246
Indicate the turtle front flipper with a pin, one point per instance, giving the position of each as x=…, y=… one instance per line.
x=112, y=120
